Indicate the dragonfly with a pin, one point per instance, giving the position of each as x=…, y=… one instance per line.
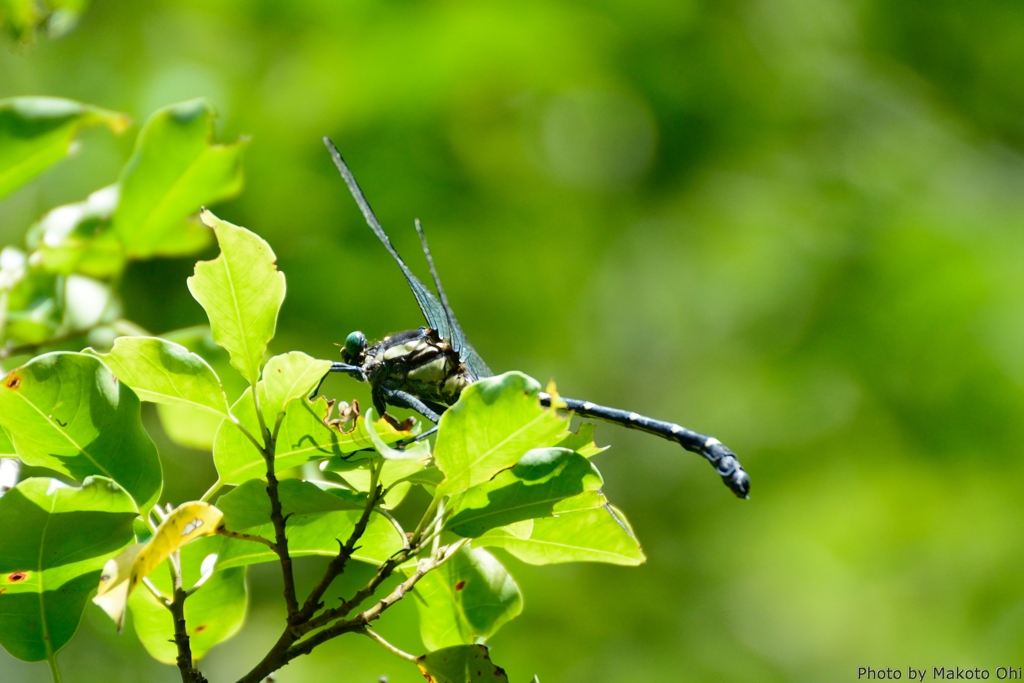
x=426, y=369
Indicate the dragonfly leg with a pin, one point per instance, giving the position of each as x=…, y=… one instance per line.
x=353, y=370
x=404, y=399
x=724, y=460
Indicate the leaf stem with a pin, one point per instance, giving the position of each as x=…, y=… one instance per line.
x=161, y=598
x=252, y=439
x=428, y=514
x=54, y=669
x=212, y=491
x=267, y=436
x=373, y=635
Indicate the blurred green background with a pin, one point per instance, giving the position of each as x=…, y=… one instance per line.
x=798, y=226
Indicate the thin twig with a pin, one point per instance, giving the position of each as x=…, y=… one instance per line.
x=161, y=598
x=372, y=613
x=248, y=537
x=394, y=522
x=252, y=439
x=373, y=635
x=337, y=565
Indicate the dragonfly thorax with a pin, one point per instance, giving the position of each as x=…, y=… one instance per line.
x=418, y=362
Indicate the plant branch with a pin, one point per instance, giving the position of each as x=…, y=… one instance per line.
x=363, y=619
x=428, y=515
x=280, y=536
x=177, y=607
x=248, y=537
x=284, y=651
x=337, y=564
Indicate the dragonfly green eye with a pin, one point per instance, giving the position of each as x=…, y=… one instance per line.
x=355, y=344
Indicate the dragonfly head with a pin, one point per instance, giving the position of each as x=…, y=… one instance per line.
x=355, y=345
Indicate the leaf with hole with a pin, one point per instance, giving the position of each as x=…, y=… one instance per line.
x=122, y=574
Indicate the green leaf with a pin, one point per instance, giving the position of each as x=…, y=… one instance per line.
x=36, y=132
x=67, y=412
x=6, y=446
x=418, y=450
x=242, y=291
x=589, y=535
x=77, y=238
x=56, y=539
x=173, y=172
x=466, y=599
x=492, y=425
x=531, y=488
x=248, y=505
x=290, y=376
x=28, y=308
x=319, y=520
x=194, y=427
x=303, y=437
x=22, y=17
x=429, y=476
x=164, y=372
x=393, y=477
x=214, y=613
x=582, y=441
x=461, y=664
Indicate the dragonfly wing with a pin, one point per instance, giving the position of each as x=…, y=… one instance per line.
x=432, y=309
x=467, y=354
x=473, y=361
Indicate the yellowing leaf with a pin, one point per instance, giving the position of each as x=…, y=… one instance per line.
x=123, y=573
